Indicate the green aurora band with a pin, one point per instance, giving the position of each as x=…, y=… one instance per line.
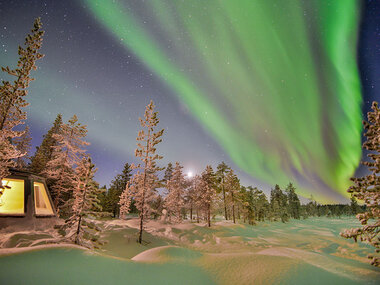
x=275, y=82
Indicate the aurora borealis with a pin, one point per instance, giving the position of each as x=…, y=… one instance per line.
x=271, y=87
x=275, y=82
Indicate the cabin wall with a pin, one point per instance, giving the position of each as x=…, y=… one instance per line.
x=29, y=221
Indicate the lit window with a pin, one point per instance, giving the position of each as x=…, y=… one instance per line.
x=12, y=197
x=41, y=200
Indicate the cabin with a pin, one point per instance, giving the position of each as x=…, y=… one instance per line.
x=25, y=201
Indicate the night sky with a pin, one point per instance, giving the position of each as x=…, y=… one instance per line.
x=276, y=89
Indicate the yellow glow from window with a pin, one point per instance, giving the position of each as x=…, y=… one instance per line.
x=12, y=200
x=41, y=200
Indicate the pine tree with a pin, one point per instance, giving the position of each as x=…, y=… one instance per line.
x=145, y=181
x=118, y=185
x=279, y=206
x=260, y=203
x=125, y=201
x=12, y=98
x=174, y=201
x=81, y=229
x=23, y=145
x=67, y=154
x=233, y=187
x=168, y=172
x=44, y=152
x=207, y=186
x=367, y=188
x=222, y=168
x=294, y=202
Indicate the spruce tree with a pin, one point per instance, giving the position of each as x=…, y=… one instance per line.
x=12, y=98
x=367, y=188
x=44, y=152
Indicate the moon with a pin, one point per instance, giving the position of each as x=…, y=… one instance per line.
x=190, y=174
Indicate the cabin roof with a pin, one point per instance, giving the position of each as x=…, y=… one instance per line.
x=24, y=174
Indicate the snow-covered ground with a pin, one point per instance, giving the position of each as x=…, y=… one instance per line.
x=299, y=252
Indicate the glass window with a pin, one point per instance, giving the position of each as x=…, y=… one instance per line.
x=12, y=197
x=41, y=200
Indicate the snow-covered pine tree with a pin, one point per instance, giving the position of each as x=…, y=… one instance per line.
x=222, y=168
x=12, y=102
x=67, y=154
x=207, y=186
x=145, y=181
x=117, y=186
x=79, y=227
x=367, y=188
x=125, y=200
x=232, y=185
x=44, y=152
x=168, y=172
x=23, y=145
x=174, y=201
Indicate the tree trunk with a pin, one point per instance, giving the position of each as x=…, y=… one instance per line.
x=233, y=212
x=143, y=196
x=78, y=230
x=209, y=215
x=191, y=213
x=141, y=227
x=224, y=199
x=233, y=206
